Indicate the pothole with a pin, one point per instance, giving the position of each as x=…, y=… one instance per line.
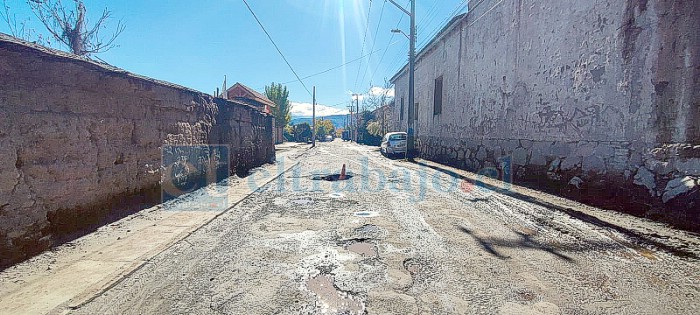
x=332, y=177
x=412, y=266
x=367, y=229
x=332, y=300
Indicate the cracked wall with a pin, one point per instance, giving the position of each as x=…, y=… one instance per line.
x=79, y=139
x=596, y=100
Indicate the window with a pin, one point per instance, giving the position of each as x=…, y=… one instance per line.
x=398, y=136
x=437, y=98
x=401, y=112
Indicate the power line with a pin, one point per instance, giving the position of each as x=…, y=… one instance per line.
x=440, y=26
x=276, y=47
x=364, y=41
x=401, y=58
x=430, y=15
x=374, y=40
x=340, y=66
x=387, y=49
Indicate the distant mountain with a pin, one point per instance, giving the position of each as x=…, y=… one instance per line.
x=337, y=120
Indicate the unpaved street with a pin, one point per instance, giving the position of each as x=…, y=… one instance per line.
x=401, y=238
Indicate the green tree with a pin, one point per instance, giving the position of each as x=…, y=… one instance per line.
x=302, y=132
x=323, y=128
x=374, y=128
x=280, y=96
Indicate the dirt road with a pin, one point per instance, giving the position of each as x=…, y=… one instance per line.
x=403, y=238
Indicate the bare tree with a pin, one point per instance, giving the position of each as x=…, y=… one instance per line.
x=18, y=29
x=71, y=27
x=376, y=99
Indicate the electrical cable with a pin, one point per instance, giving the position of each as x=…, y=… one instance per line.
x=276, y=47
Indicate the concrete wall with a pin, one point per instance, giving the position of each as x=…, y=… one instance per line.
x=80, y=139
x=604, y=95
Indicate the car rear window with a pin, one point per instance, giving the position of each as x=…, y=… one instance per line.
x=397, y=137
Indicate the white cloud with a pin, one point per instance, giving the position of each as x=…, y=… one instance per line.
x=306, y=110
x=373, y=91
x=378, y=91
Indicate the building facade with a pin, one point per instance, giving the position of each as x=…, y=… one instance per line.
x=599, y=97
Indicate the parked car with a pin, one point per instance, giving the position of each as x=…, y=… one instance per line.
x=328, y=138
x=393, y=143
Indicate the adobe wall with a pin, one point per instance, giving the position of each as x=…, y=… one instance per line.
x=597, y=100
x=79, y=139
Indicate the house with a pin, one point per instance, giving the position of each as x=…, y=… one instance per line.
x=383, y=115
x=243, y=94
x=248, y=96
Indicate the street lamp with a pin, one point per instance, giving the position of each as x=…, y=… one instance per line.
x=398, y=31
x=410, y=139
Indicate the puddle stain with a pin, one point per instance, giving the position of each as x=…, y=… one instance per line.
x=333, y=301
x=366, y=214
x=367, y=250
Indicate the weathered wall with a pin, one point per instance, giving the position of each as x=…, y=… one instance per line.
x=600, y=94
x=78, y=139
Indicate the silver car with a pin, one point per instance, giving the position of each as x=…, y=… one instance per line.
x=393, y=143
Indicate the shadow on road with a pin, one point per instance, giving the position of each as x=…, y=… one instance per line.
x=524, y=242
x=635, y=236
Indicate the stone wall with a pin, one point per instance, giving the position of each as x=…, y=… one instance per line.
x=597, y=100
x=79, y=140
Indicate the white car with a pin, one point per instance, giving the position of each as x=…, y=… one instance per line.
x=393, y=143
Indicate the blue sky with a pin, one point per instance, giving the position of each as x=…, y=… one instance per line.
x=196, y=43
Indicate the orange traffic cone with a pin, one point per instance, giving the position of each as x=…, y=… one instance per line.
x=342, y=173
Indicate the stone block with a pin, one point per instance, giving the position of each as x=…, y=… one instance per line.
x=570, y=162
x=520, y=156
x=593, y=163
x=678, y=186
x=481, y=154
x=604, y=150
x=538, y=159
x=658, y=167
x=645, y=178
x=560, y=149
x=585, y=148
x=688, y=166
x=527, y=144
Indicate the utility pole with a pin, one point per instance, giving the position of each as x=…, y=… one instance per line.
x=313, y=119
x=350, y=132
x=383, y=120
x=410, y=139
x=357, y=119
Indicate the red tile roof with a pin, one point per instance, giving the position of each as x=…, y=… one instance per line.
x=242, y=91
